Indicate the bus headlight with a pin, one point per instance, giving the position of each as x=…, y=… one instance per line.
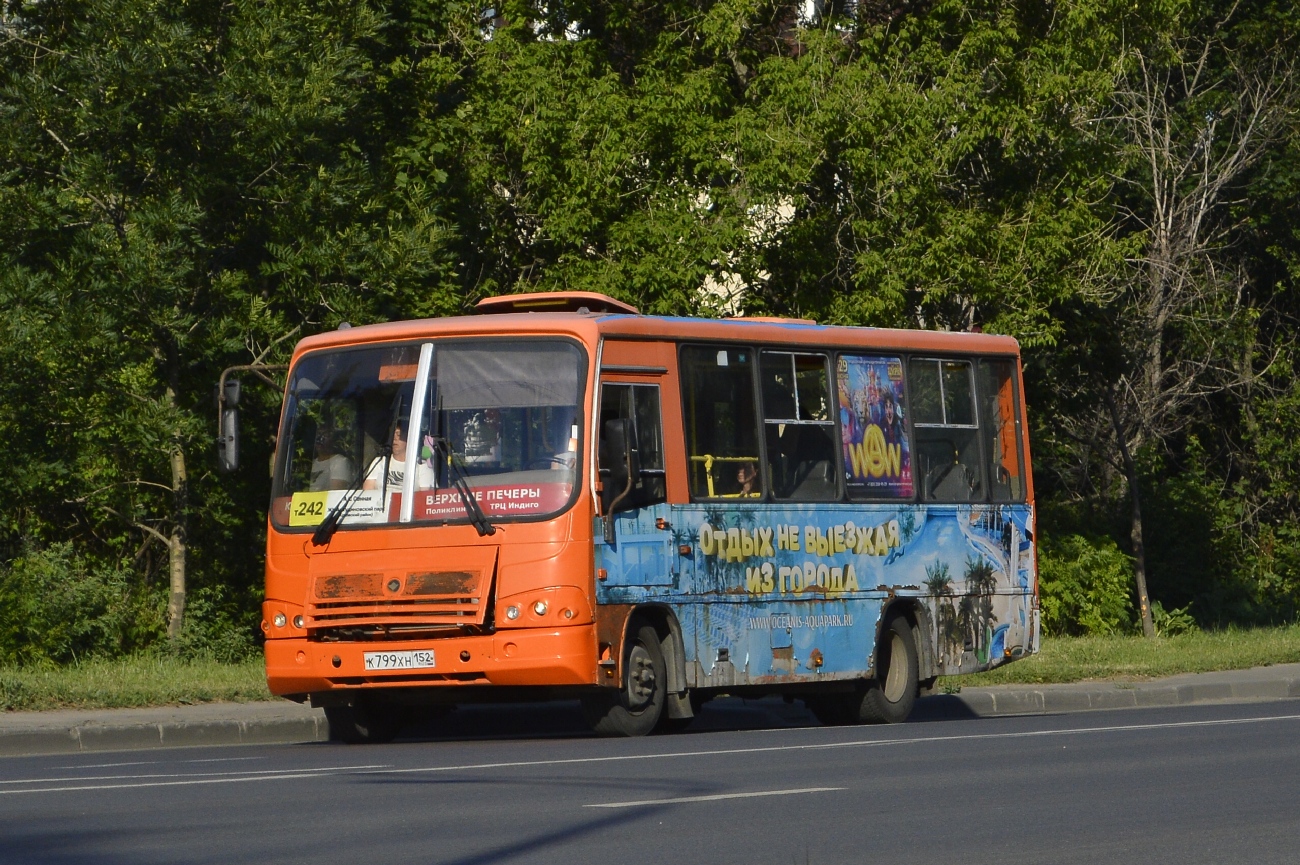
x=534, y=608
x=281, y=620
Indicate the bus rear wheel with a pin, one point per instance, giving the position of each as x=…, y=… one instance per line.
x=364, y=722
x=635, y=708
x=890, y=696
x=886, y=699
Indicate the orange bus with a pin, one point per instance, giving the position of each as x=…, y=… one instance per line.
x=561, y=498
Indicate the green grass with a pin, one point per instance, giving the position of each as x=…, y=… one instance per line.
x=1132, y=658
x=163, y=681
x=131, y=683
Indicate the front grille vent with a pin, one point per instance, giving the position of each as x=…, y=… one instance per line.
x=397, y=600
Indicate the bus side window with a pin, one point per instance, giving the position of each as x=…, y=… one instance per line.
x=638, y=405
x=797, y=426
x=722, y=447
x=1002, y=430
x=945, y=425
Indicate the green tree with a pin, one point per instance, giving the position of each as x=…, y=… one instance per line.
x=1193, y=113
x=191, y=188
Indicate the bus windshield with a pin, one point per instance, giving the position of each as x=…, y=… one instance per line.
x=368, y=427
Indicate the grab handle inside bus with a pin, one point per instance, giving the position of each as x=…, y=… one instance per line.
x=623, y=469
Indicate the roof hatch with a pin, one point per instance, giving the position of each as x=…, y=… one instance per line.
x=554, y=301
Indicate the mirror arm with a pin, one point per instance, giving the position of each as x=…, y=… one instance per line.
x=609, y=514
x=258, y=369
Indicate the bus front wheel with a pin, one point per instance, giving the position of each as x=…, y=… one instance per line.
x=635, y=708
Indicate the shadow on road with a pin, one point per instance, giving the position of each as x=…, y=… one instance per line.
x=941, y=707
x=563, y=719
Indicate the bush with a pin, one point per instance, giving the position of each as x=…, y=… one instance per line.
x=213, y=630
x=1084, y=586
x=1171, y=623
x=56, y=606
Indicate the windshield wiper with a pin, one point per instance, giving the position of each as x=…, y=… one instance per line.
x=330, y=524
x=468, y=500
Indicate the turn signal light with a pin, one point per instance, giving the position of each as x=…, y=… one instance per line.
x=280, y=620
x=546, y=607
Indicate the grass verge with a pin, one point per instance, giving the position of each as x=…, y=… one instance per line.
x=1132, y=658
x=163, y=681
x=132, y=682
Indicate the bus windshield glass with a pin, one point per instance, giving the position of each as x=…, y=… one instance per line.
x=366, y=428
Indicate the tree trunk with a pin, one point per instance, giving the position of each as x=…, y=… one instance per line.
x=176, y=600
x=1135, y=516
x=176, y=543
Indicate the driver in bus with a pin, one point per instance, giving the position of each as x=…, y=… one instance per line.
x=388, y=471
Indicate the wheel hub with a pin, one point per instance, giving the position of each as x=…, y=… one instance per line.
x=896, y=675
x=640, y=677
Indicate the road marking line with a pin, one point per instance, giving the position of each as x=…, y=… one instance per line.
x=185, y=775
x=163, y=784
x=716, y=797
x=221, y=760
x=857, y=743
x=326, y=771
x=156, y=762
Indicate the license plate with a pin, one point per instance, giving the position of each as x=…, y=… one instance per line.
x=416, y=660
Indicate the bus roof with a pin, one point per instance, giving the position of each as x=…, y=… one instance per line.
x=590, y=326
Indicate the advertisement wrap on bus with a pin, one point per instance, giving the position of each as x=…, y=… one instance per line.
x=790, y=583
x=561, y=498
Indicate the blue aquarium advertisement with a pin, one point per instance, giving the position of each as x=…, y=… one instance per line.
x=769, y=593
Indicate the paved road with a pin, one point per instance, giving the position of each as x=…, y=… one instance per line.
x=1184, y=784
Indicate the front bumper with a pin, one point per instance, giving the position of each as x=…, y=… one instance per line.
x=526, y=656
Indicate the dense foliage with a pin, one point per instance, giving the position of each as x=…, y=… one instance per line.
x=191, y=185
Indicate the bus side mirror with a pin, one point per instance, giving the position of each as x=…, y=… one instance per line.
x=228, y=433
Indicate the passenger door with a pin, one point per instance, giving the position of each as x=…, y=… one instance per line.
x=642, y=552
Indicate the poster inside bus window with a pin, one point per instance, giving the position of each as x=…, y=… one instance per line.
x=877, y=461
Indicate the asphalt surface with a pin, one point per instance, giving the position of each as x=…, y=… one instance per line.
x=1185, y=784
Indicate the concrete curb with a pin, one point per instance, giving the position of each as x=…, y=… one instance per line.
x=272, y=723
x=1280, y=682
x=36, y=733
